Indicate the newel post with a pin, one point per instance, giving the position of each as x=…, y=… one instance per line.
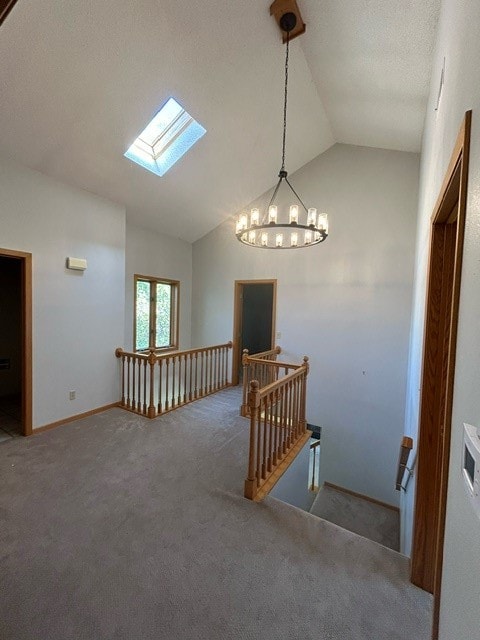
x=303, y=400
x=151, y=362
x=119, y=354
x=254, y=405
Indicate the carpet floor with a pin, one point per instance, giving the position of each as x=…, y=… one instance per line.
x=117, y=527
x=368, y=519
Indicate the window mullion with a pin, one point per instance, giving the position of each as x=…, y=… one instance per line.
x=153, y=314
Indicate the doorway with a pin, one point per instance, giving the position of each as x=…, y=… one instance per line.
x=254, y=320
x=443, y=294
x=15, y=344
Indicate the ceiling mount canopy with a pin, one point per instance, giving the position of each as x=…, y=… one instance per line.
x=304, y=227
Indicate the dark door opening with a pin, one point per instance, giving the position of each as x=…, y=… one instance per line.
x=254, y=319
x=10, y=348
x=15, y=344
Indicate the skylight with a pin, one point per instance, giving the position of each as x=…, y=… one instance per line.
x=165, y=139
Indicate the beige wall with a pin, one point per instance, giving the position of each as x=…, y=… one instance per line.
x=345, y=303
x=78, y=318
x=458, y=43
x=153, y=254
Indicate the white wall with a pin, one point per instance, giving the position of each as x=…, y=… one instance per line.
x=78, y=319
x=153, y=254
x=459, y=44
x=293, y=486
x=345, y=303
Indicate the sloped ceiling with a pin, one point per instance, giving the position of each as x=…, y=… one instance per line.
x=80, y=80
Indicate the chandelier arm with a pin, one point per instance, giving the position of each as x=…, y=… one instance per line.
x=275, y=192
x=296, y=195
x=285, y=103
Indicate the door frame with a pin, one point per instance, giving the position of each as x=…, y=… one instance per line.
x=438, y=372
x=237, y=320
x=26, y=280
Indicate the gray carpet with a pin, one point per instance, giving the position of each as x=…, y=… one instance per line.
x=120, y=528
x=373, y=521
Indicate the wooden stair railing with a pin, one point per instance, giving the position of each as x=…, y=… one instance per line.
x=278, y=428
x=153, y=384
x=265, y=369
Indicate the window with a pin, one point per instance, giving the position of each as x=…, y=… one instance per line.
x=156, y=313
x=169, y=135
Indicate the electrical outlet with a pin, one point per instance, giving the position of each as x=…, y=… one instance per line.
x=278, y=335
x=72, y=395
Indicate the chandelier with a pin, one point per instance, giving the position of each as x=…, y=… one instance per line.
x=304, y=227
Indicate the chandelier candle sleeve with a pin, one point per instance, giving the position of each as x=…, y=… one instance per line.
x=273, y=229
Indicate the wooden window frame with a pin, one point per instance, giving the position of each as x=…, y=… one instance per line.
x=174, y=314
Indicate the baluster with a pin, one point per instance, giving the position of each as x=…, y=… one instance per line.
x=257, y=412
x=123, y=380
x=167, y=376
x=196, y=375
x=265, y=441
x=151, y=361
x=271, y=441
x=202, y=362
x=215, y=379
x=185, y=395
x=208, y=380
x=134, y=367
x=174, y=358
x=145, y=387
x=227, y=353
x=128, y=381
x=139, y=396
x=285, y=430
x=179, y=380
x=160, y=363
x=253, y=404
x=246, y=382
x=276, y=429
x=190, y=395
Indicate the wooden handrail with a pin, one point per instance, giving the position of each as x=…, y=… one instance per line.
x=405, y=448
x=278, y=428
x=265, y=354
x=262, y=369
x=153, y=383
x=273, y=386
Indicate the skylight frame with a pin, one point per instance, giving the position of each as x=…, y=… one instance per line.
x=165, y=139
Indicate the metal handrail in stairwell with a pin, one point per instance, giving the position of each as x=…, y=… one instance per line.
x=153, y=384
x=278, y=428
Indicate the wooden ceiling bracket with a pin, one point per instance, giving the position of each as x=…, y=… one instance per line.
x=279, y=8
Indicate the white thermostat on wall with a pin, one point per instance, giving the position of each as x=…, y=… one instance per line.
x=471, y=464
x=76, y=264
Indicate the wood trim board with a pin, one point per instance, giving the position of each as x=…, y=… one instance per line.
x=78, y=416
x=362, y=496
x=237, y=321
x=438, y=372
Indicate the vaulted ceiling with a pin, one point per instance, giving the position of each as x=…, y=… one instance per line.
x=80, y=80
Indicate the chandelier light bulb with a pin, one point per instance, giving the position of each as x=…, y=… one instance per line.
x=279, y=240
x=323, y=222
x=272, y=213
x=264, y=239
x=294, y=214
x=311, y=216
x=243, y=221
x=308, y=237
x=254, y=217
x=294, y=239
x=252, y=236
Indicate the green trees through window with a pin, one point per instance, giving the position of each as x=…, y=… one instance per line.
x=156, y=311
